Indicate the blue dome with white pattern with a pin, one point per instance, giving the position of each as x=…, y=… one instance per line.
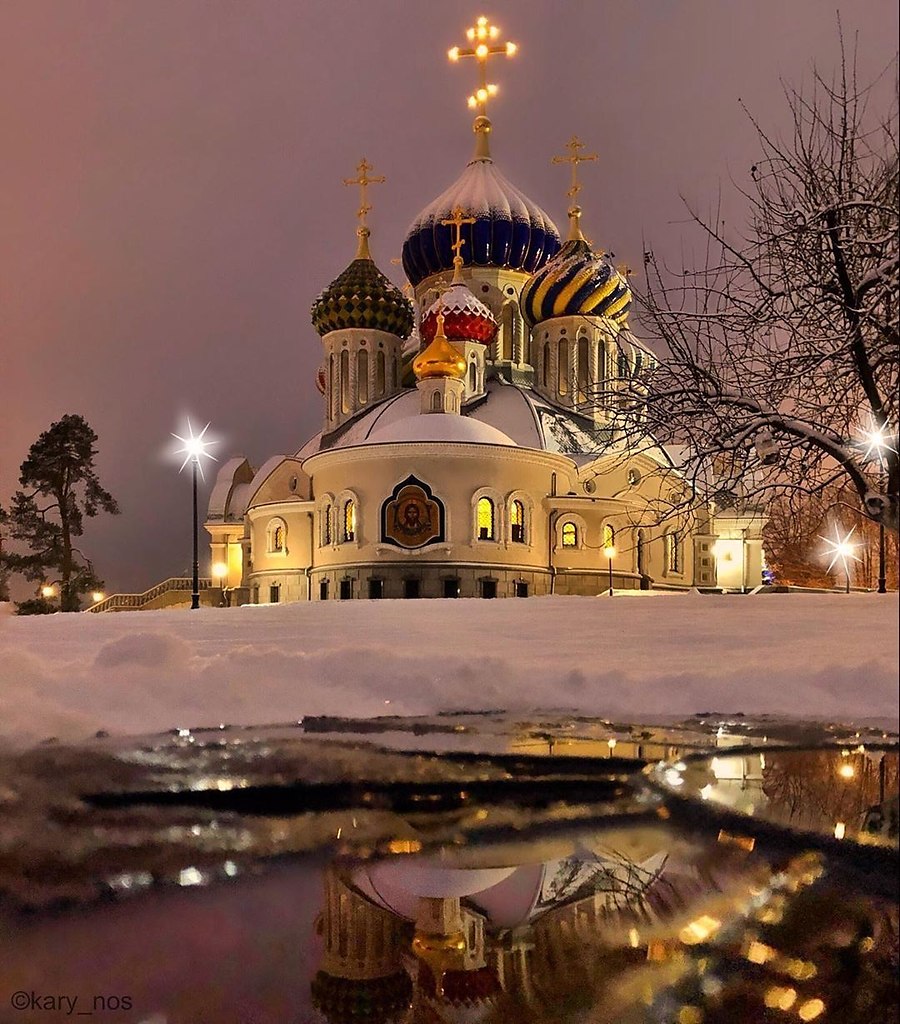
x=509, y=230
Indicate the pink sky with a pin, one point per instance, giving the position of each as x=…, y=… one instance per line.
x=171, y=198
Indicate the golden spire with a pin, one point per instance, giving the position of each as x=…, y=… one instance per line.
x=363, y=180
x=439, y=358
x=483, y=37
x=457, y=219
x=575, y=158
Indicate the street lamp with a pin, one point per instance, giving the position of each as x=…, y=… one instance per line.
x=220, y=575
x=194, y=449
x=842, y=550
x=877, y=443
x=610, y=552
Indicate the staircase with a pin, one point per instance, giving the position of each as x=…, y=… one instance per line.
x=163, y=594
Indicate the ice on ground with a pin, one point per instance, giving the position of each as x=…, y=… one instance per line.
x=822, y=656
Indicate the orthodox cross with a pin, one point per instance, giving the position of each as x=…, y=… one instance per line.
x=483, y=38
x=457, y=219
x=363, y=180
x=575, y=158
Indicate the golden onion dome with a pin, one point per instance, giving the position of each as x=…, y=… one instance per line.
x=439, y=358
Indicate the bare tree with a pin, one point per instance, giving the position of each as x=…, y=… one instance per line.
x=779, y=368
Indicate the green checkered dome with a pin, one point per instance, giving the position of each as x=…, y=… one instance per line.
x=362, y=297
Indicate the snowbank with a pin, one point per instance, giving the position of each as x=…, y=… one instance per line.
x=818, y=656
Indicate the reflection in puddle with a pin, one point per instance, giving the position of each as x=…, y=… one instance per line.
x=702, y=890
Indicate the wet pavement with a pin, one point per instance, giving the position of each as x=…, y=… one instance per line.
x=457, y=868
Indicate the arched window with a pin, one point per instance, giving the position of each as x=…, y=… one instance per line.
x=609, y=537
x=379, y=374
x=332, y=385
x=673, y=553
x=395, y=371
x=484, y=517
x=584, y=368
x=563, y=369
x=642, y=552
x=545, y=367
x=517, y=522
x=473, y=377
x=345, y=381
x=362, y=376
x=623, y=364
x=436, y=402
x=276, y=537
x=569, y=535
x=349, y=520
x=326, y=524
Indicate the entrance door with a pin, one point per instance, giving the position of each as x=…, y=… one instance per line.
x=488, y=588
x=411, y=588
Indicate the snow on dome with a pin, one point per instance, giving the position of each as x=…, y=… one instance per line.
x=466, y=318
x=509, y=230
x=577, y=281
x=439, y=426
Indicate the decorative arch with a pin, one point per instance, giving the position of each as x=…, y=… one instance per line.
x=571, y=532
x=347, y=518
x=487, y=515
x=325, y=514
x=276, y=536
x=520, y=518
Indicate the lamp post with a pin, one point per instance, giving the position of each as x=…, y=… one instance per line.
x=194, y=448
x=877, y=441
x=842, y=550
x=610, y=552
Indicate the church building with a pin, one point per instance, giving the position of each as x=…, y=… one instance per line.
x=474, y=440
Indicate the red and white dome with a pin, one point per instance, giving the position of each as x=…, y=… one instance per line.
x=465, y=317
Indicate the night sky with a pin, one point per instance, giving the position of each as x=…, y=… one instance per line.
x=171, y=198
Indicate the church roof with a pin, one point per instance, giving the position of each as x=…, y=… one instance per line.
x=509, y=230
x=439, y=427
x=516, y=412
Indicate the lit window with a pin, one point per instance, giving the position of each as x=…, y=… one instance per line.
x=485, y=519
x=276, y=536
x=349, y=520
x=569, y=535
x=517, y=519
x=673, y=552
x=609, y=537
x=326, y=524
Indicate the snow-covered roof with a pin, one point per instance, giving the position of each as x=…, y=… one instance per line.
x=439, y=426
x=520, y=414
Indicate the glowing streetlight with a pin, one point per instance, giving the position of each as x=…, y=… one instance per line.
x=193, y=451
x=876, y=441
x=842, y=550
x=97, y=596
x=610, y=552
x=48, y=592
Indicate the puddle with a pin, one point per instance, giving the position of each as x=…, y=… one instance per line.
x=541, y=874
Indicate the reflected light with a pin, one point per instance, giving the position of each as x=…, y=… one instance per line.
x=840, y=830
x=846, y=771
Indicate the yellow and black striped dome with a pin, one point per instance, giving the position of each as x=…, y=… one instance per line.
x=576, y=281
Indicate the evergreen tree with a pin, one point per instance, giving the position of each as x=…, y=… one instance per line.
x=60, y=489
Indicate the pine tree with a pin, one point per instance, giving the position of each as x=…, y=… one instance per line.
x=60, y=489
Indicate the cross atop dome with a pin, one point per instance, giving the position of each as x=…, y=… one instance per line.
x=363, y=180
x=457, y=218
x=574, y=158
x=482, y=35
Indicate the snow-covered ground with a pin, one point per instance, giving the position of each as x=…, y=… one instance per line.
x=818, y=656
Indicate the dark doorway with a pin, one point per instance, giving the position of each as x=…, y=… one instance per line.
x=521, y=588
x=450, y=588
x=346, y=590
x=489, y=588
x=323, y=590
x=274, y=594
x=411, y=588
x=376, y=589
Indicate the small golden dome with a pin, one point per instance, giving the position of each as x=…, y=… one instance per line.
x=440, y=358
